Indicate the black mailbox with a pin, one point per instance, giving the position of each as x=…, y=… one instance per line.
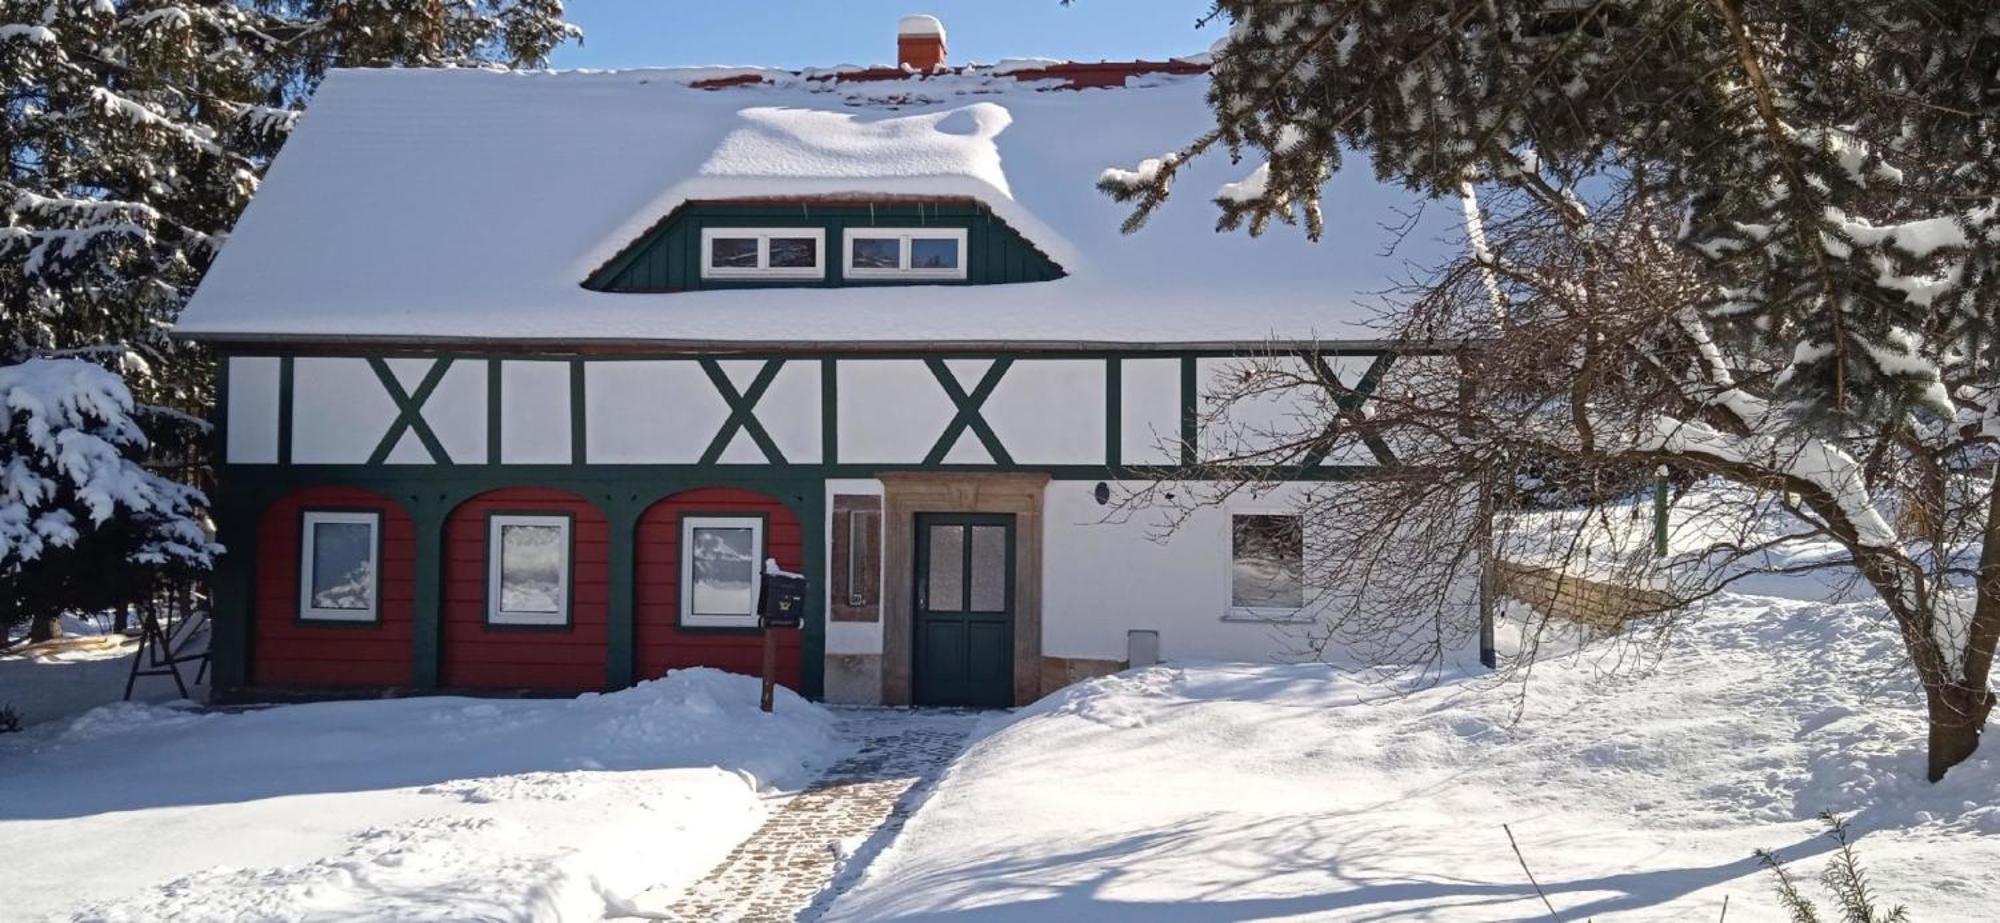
x=781, y=601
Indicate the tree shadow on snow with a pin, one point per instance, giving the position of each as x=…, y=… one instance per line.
x=1298, y=867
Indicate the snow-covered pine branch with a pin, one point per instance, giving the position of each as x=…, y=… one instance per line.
x=73, y=463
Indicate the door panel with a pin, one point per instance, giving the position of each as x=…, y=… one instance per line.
x=964, y=630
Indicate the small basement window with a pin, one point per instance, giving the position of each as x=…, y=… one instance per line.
x=339, y=557
x=762, y=253
x=527, y=570
x=719, y=566
x=905, y=253
x=1266, y=566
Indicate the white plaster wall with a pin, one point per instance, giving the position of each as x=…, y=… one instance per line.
x=649, y=412
x=1049, y=412
x=252, y=422
x=339, y=411
x=848, y=637
x=1150, y=399
x=1101, y=579
x=890, y=411
x=534, y=413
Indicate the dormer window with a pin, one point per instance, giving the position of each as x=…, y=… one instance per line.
x=763, y=253
x=771, y=243
x=905, y=253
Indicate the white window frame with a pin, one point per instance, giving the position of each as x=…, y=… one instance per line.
x=689, y=617
x=903, y=270
x=763, y=269
x=1235, y=613
x=495, y=614
x=308, y=537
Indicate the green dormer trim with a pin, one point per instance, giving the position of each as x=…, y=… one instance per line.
x=669, y=256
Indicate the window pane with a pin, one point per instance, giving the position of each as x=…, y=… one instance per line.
x=733, y=253
x=342, y=577
x=933, y=253
x=989, y=568
x=531, y=568
x=1267, y=569
x=947, y=566
x=878, y=253
x=725, y=570
x=794, y=252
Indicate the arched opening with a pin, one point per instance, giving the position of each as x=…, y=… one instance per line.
x=526, y=592
x=680, y=620
x=336, y=585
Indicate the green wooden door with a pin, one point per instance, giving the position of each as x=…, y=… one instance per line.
x=965, y=609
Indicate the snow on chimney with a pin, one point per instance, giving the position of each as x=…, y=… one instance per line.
x=920, y=44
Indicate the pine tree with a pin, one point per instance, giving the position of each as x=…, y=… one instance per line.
x=83, y=523
x=1838, y=161
x=137, y=130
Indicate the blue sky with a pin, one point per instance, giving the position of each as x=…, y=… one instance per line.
x=820, y=33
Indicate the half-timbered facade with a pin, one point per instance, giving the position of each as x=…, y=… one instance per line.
x=524, y=377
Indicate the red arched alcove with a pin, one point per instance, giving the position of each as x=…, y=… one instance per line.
x=566, y=658
x=663, y=644
x=288, y=651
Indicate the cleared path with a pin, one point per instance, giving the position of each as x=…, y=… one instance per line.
x=821, y=839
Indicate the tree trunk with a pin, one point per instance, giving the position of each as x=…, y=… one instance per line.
x=1957, y=715
x=45, y=628
x=122, y=619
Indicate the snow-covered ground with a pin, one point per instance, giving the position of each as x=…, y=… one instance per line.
x=412, y=809
x=85, y=668
x=1237, y=792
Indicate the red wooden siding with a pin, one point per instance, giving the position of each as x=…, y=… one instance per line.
x=662, y=644
x=286, y=652
x=477, y=656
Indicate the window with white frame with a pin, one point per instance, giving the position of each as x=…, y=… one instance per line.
x=528, y=565
x=339, y=561
x=763, y=253
x=720, y=558
x=1266, y=565
x=905, y=253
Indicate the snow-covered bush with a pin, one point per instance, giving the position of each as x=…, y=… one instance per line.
x=83, y=523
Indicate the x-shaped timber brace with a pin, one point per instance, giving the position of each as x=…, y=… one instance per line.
x=410, y=411
x=968, y=416
x=1347, y=403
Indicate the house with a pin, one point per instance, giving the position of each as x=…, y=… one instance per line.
x=524, y=374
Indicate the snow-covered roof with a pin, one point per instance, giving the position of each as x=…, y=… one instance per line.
x=471, y=205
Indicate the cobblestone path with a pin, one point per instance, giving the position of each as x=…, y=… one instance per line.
x=821, y=839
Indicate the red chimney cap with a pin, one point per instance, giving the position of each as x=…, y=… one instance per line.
x=920, y=44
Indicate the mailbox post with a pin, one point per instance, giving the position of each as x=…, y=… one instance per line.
x=781, y=603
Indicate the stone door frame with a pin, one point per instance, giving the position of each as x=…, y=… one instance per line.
x=904, y=495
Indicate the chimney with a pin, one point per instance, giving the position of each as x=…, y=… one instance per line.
x=920, y=44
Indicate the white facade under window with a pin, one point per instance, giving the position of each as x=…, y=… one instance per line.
x=904, y=253
x=528, y=568
x=763, y=253
x=720, y=558
x=339, y=566
x=1266, y=566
